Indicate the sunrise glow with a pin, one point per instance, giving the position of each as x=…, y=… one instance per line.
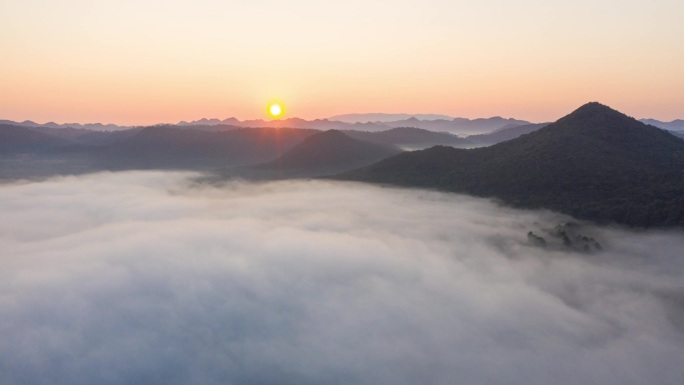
x=275, y=110
x=136, y=62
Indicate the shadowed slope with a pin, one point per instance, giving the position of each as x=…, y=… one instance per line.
x=408, y=137
x=16, y=140
x=324, y=153
x=595, y=163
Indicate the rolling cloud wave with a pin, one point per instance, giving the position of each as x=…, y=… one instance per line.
x=148, y=277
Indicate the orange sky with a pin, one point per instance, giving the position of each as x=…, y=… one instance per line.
x=145, y=62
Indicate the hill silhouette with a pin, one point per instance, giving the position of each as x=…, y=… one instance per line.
x=675, y=125
x=320, y=154
x=171, y=147
x=16, y=140
x=595, y=163
x=408, y=137
x=502, y=134
x=27, y=152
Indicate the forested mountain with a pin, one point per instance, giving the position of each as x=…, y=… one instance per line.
x=17, y=140
x=595, y=163
x=323, y=153
x=27, y=152
x=408, y=137
x=501, y=135
x=87, y=136
x=172, y=147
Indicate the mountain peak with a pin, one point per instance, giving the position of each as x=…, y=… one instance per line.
x=597, y=120
x=327, y=136
x=596, y=109
x=595, y=106
x=595, y=163
x=328, y=152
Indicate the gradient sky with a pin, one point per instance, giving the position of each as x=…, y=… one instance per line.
x=145, y=61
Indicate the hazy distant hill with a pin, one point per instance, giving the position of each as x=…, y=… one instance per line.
x=675, y=125
x=323, y=153
x=87, y=126
x=460, y=126
x=502, y=135
x=374, y=122
x=87, y=136
x=380, y=117
x=595, y=163
x=29, y=153
x=16, y=140
x=317, y=124
x=172, y=147
x=440, y=123
x=409, y=138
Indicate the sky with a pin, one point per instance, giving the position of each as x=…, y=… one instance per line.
x=145, y=61
x=317, y=282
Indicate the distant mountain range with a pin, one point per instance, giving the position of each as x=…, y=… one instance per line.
x=675, y=125
x=501, y=135
x=596, y=164
x=87, y=126
x=43, y=151
x=380, y=117
x=17, y=140
x=375, y=122
x=409, y=138
x=320, y=154
x=26, y=152
x=458, y=126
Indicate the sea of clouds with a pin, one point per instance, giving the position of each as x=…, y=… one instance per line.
x=153, y=278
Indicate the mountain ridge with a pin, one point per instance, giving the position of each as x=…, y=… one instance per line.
x=595, y=163
x=460, y=126
x=322, y=153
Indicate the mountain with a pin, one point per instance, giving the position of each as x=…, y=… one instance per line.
x=675, y=125
x=460, y=126
x=502, y=135
x=317, y=124
x=432, y=122
x=323, y=153
x=409, y=138
x=25, y=153
x=15, y=140
x=595, y=163
x=87, y=136
x=87, y=126
x=173, y=147
x=380, y=117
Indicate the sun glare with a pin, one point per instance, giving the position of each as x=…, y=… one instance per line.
x=275, y=110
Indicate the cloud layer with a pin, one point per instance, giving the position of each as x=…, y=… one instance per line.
x=149, y=278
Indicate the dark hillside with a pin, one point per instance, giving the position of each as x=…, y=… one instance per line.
x=595, y=164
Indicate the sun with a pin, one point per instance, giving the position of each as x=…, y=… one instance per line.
x=275, y=110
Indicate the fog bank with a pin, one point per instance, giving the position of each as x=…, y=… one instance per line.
x=149, y=278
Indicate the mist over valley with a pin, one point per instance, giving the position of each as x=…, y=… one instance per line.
x=154, y=277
